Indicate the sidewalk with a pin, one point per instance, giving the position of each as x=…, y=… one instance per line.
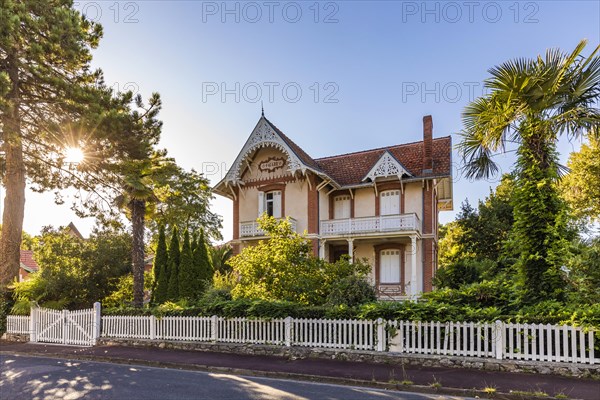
x=452, y=380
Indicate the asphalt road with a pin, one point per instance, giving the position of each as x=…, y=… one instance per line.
x=26, y=377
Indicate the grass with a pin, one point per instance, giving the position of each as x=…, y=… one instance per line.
x=537, y=393
x=406, y=382
x=435, y=384
x=489, y=390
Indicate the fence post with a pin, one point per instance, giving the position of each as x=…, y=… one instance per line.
x=152, y=327
x=381, y=336
x=288, y=331
x=65, y=329
x=499, y=340
x=97, y=322
x=33, y=321
x=214, y=328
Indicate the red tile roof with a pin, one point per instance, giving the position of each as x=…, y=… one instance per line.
x=351, y=169
x=304, y=157
x=28, y=261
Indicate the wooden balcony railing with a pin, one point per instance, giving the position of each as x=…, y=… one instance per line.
x=365, y=225
x=251, y=228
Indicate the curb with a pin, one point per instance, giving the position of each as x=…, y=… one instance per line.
x=285, y=375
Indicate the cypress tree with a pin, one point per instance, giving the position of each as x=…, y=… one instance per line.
x=193, y=243
x=174, y=260
x=187, y=275
x=202, y=264
x=160, y=270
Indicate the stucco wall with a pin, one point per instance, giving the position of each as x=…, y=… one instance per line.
x=296, y=200
x=413, y=199
x=249, y=204
x=364, y=203
x=323, y=205
x=365, y=250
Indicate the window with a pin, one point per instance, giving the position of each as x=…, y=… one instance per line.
x=389, y=202
x=270, y=202
x=341, y=207
x=389, y=266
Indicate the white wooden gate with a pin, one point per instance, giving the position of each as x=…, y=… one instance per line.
x=80, y=327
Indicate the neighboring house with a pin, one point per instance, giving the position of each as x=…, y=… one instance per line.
x=379, y=204
x=148, y=262
x=73, y=231
x=28, y=265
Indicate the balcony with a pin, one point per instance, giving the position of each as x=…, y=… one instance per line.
x=370, y=225
x=251, y=228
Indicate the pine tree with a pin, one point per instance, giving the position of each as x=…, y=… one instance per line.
x=46, y=85
x=187, y=275
x=174, y=260
x=202, y=264
x=160, y=270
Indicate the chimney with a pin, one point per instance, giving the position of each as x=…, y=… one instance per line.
x=427, y=144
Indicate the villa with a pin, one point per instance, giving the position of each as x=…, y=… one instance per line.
x=381, y=204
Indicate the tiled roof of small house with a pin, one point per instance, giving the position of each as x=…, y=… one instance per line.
x=351, y=168
x=27, y=261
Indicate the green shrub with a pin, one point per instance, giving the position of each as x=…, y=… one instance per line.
x=351, y=291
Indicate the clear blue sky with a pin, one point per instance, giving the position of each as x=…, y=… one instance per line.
x=367, y=71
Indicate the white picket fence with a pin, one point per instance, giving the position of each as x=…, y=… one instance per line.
x=536, y=342
x=339, y=334
x=18, y=324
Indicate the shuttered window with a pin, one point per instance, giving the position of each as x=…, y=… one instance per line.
x=389, y=266
x=389, y=202
x=341, y=207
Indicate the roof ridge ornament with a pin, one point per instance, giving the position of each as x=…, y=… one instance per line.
x=386, y=166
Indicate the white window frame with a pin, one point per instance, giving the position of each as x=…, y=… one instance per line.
x=273, y=199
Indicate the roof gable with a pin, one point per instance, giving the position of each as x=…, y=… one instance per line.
x=386, y=166
x=266, y=134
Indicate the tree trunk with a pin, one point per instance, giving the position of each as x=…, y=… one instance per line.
x=14, y=182
x=138, y=212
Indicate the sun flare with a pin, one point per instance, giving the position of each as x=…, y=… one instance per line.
x=74, y=155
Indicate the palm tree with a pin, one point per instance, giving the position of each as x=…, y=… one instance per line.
x=137, y=191
x=140, y=178
x=531, y=102
x=219, y=256
x=143, y=168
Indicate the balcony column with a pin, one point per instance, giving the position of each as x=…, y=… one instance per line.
x=414, y=287
x=322, y=249
x=351, y=249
